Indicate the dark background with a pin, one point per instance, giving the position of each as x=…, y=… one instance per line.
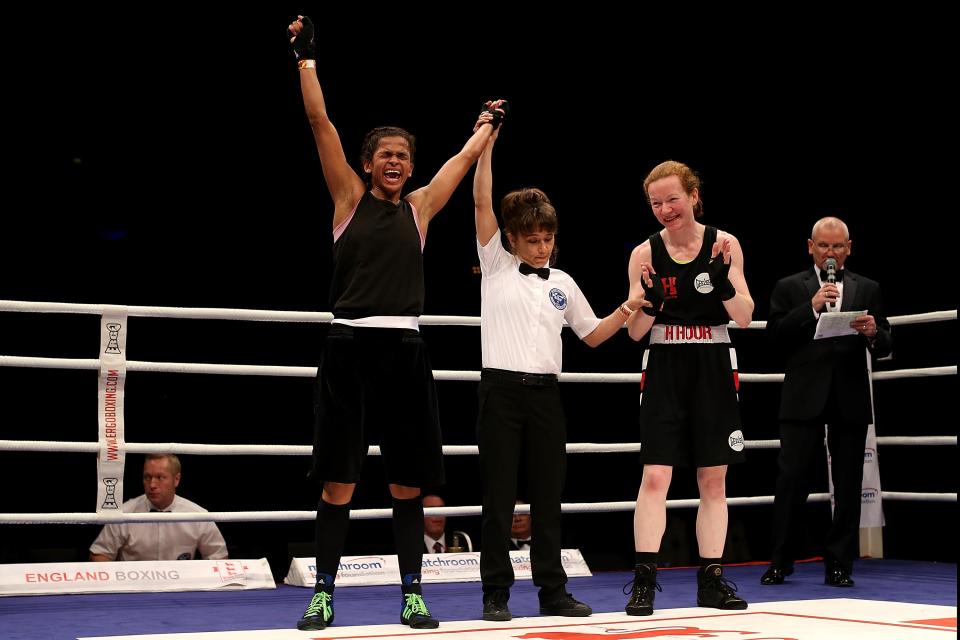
x=163, y=158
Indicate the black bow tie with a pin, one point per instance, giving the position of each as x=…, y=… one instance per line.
x=521, y=543
x=526, y=270
x=838, y=275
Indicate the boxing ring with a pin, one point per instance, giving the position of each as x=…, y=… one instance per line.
x=672, y=615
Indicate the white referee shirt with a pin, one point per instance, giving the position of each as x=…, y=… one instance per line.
x=160, y=541
x=521, y=316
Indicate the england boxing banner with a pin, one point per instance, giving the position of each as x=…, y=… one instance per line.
x=128, y=577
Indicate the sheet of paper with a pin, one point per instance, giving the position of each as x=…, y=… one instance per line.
x=836, y=323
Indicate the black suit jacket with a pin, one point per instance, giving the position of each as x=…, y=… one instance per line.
x=814, y=368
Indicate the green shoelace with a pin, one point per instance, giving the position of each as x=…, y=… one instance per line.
x=320, y=605
x=414, y=605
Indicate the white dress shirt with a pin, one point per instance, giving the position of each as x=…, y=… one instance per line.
x=521, y=316
x=160, y=541
x=428, y=542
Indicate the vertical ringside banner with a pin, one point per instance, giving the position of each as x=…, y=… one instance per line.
x=871, y=506
x=113, y=375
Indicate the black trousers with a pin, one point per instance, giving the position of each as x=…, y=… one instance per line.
x=799, y=442
x=521, y=422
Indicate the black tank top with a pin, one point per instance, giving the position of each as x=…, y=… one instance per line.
x=378, y=262
x=689, y=297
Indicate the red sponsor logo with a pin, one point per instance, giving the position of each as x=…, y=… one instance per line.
x=669, y=287
x=230, y=570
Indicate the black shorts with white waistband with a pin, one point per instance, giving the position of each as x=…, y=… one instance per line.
x=375, y=386
x=689, y=409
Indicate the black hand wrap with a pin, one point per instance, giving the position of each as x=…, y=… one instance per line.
x=719, y=272
x=498, y=113
x=303, y=44
x=654, y=295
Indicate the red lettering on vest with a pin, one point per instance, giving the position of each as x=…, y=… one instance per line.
x=669, y=287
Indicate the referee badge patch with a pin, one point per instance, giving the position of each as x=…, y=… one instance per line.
x=736, y=440
x=558, y=298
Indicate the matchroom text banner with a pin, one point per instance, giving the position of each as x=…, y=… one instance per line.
x=437, y=567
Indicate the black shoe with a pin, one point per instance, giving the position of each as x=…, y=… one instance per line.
x=565, y=605
x=717, y=592
x=643, y=589
x=414, y=613
x=495, y=606
x=319, y=614
x=836, y=575
x=775, y=574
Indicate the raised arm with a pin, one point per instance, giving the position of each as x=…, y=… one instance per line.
x=429, y=199
x=346, y=187
x=486, y=219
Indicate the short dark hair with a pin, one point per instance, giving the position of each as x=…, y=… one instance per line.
x=528, y=210
x=170, y=457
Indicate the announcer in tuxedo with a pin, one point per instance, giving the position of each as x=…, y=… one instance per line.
x=826, y=382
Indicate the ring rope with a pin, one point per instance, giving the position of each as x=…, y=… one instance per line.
x=264, y=315
x=56, y=446
x=298, y=316
x=382, y=514
x=468, y=376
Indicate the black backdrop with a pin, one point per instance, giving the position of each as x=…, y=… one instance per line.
x=164, y=159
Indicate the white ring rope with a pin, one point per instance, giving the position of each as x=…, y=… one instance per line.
x=446, y=375
x=54, y=446
x=290, y=371
x=264, y=315
x=382, y=514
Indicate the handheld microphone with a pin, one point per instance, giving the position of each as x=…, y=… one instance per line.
x=830, y=264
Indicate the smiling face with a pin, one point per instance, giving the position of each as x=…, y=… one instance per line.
x=389, y=167
x=671, y=204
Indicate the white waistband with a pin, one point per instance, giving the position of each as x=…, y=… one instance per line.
x=688, y=334
x=382, y=322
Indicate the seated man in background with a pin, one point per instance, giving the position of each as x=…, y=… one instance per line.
x=159, y=541
x=434, y=531
x=520, y=530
